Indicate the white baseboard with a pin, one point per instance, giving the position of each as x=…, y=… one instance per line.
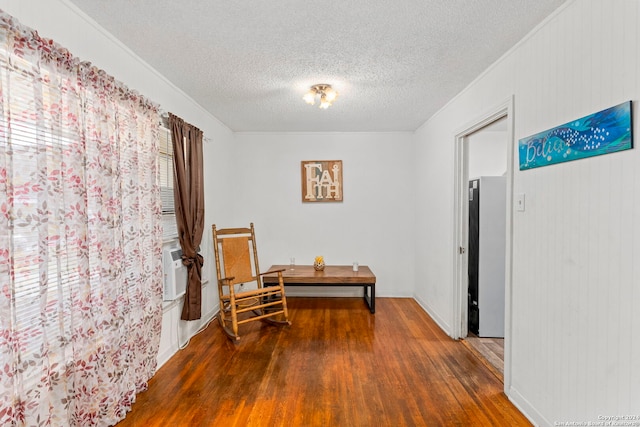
x=445, y=326
x=536, y=418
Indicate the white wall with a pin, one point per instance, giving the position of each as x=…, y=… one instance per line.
x=487, y=153
x=64, y=23
x=575, y=287
x=373, y=225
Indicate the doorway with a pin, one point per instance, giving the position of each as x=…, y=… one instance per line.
x=467, y=164
x=487, y=169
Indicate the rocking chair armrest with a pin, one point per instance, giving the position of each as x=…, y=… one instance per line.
x=226, y=280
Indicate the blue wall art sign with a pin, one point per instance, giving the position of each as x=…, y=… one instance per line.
x=604, y=132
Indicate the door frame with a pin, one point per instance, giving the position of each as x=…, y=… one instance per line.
x=461, y=227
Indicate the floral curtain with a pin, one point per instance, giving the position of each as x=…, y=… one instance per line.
x=80, y=237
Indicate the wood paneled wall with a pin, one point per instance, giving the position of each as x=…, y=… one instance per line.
x=576, y=277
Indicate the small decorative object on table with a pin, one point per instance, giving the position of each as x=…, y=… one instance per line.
x=318, y=264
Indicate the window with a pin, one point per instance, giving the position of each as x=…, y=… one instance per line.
x=165, y=161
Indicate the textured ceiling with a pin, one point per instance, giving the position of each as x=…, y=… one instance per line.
x=249, y=63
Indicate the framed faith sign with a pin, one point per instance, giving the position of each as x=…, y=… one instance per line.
x=321, y=180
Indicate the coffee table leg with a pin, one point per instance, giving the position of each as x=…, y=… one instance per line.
x=370, y=300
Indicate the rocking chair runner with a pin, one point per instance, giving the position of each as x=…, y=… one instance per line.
x=237, y=266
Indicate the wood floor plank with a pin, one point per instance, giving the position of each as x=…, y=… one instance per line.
x=336, y=365
x=490, y=349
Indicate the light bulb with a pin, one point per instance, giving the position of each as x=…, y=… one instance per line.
x=331, y=95
x=310, y=98
x=324, y=104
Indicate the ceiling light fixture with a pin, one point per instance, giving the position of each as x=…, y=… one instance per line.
x=324, y=91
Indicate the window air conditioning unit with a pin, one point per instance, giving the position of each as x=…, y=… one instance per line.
x=175, y=274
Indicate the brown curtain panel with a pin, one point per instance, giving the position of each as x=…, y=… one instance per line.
x=188, y=192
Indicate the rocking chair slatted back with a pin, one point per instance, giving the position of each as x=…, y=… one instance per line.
x=237, y=259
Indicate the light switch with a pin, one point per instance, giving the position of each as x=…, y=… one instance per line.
x=520, y=202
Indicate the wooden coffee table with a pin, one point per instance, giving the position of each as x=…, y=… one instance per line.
x=332, y=275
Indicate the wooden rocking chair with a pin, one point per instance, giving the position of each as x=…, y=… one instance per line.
x=243, y=298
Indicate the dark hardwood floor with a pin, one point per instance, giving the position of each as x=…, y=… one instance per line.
x=336, y=365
